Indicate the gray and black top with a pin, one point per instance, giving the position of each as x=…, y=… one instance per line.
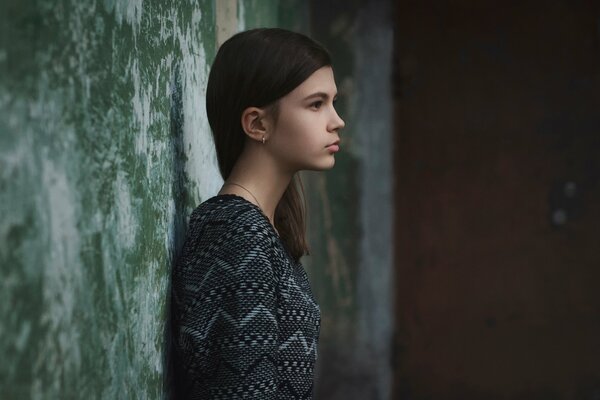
x=245, y=322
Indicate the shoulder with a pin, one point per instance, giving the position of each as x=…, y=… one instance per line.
x=231, y=216
x=227, y=229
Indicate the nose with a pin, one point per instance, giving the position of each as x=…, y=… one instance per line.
x=337, y=123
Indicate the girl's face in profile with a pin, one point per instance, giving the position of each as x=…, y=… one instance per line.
x=308, y=124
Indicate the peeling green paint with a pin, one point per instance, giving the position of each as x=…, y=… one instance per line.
x=104, y=151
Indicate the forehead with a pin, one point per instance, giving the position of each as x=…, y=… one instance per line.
x=322, y=80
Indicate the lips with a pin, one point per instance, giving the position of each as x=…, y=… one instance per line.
x=333, y=147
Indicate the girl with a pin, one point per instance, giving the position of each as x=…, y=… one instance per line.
x=246, y=324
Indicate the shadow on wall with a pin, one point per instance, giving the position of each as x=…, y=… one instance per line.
x=179, y=195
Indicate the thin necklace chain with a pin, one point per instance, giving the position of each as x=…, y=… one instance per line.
x=237, y=184
x=257, y=202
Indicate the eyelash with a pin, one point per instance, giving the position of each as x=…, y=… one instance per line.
x=317, y=104
x=320, y=102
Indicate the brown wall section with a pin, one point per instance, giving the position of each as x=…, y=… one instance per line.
x=497, y=168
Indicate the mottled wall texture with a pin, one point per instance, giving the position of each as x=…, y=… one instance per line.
x=104, y=151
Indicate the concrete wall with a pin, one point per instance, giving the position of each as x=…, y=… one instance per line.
x=104, y=151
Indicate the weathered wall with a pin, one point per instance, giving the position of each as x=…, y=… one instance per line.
x=104, y=151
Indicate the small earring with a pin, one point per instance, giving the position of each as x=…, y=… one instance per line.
x=263, y=140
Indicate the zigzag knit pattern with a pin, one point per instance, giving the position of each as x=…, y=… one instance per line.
x=245, y=322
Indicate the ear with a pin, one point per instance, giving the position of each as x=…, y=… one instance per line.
x=254, y=123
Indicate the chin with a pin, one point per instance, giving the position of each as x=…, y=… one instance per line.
x=323, y=166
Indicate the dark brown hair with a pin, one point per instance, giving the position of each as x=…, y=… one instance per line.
x=255, y=68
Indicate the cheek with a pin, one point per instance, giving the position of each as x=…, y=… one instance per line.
x=294, y=132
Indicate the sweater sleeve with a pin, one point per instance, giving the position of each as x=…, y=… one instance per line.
x=227, y=329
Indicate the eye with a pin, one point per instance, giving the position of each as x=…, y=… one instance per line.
x=317, y=104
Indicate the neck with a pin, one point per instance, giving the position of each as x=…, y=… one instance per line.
x=259, y=174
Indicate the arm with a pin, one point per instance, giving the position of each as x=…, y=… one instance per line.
x=227, y=329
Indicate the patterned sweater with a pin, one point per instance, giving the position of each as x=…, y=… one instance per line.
x=245, y=322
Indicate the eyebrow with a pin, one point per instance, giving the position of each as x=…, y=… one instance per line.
x=319, y=94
